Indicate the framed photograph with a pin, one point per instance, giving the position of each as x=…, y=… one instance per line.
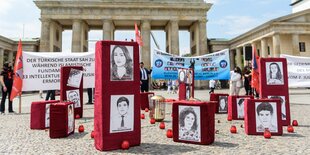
x=121, y=113
x=75, y=77
x=274, y=73
x=266, y=116
x=121, y=63
x=74, y=96
x=70, y=118
x=189, y=123
x=240, y=107
x=47, y=115
x=189, y=77
x=283, y=105
x=182, y=75
x=223, y=104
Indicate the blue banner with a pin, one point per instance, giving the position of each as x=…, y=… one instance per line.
x=214, y=66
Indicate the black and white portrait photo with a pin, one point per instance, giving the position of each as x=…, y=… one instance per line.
x=240, y=107
x=74, y=96
x=121, y=113
x=189, y=123
x=75, y=77
x=274, y=73
x=70, y=118
x=182, y=75
x=223, y=104
x=121, y=63
x=283, y=107
x=266, y=116
x=47, y=115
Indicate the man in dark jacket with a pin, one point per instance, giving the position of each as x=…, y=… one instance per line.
x=144, y=78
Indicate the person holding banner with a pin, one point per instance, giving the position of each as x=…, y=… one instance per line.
x=235, y=81
x=6, y=80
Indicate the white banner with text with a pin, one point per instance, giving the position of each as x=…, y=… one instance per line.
x=42, y=69
x=298, y=69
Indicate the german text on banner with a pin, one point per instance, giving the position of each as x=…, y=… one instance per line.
x=42, y=70
x=298, y=69
x=210, y=66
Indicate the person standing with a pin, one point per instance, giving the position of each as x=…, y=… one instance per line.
x=169, y=86
x=6, y=80
x=247, y=81
x=212, y=86
x=144, y=78
x=50, y=94
x=235, y=81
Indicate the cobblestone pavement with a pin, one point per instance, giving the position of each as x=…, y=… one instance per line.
x=17, y=138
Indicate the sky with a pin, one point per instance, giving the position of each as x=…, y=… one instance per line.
x=226, y=19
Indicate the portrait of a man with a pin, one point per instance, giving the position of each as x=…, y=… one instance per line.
x=74, y=96
x=266, y=116
x=274, y=73
x=75, y=77
x=121, y=113
x=189, y=123
x=121, y=63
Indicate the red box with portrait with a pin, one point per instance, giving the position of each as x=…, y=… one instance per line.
x=145, y=99
x=117, y=95
x=221, y=105
x=193, y=122
x=261, y=114
x=236, y=106
x=40, y=114
x=61, y=119
x=274, y=84
x=71, y=87
x=186, y=84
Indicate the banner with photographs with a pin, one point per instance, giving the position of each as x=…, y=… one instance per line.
x=210, y=66
x=298, y=69
x=42, y=70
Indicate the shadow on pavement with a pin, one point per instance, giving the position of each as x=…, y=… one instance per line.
x=225, y=144
x=292, y=135
x=154, y=148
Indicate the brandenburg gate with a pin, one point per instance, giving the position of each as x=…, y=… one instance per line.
x=109, y=15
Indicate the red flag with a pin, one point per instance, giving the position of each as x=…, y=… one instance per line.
x=18, y=73
x=255, y=71
x=138, y=36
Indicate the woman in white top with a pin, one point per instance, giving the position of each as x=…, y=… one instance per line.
x=235, y=81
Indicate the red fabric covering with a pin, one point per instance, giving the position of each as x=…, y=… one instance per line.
x=37, y=116
x=59, y=120
x=104, y=140
x=215, y=97
x=206, y=123
x=145, y=98
x=182, y=91
x=275, y=90
x=251, y=114
x=64, y=76
x=233, y=106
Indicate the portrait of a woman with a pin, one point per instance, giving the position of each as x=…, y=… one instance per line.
x=274, y=73
x=189, y=123
x=121, y=63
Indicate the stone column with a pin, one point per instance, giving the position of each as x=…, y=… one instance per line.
x=264, y=50
x=238, y=57
x=276, y=45
x=10, y=56
x=174, y=37
x=203, y=45
x=107, y=29
x=295, y=43
x=76, y=36
x=232, y=59
x=45, y=35
x=146, y=48
x=1, y=57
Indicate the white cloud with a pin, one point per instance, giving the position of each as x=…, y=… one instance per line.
x=5, y=5
x=212, y=1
